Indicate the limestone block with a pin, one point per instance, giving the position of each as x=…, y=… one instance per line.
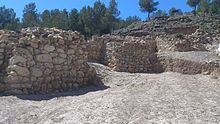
x=36, y=72
x=1, y=62
x=44, y=58
x=2, y=50
x=71, y=51
x=60, y=50
x=2, y=55
x=21, y=71
x=49, y=48
x=17, y=59
x=218, y=50
x=22, y=51
x=13, y=79
x=63, y=55
x=48, y=65
x=53, y=54
x=58, y=60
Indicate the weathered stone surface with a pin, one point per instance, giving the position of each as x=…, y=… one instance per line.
x=36, y=72
x=44, y=58
x=2, y=56
x=35, y=59
x=48, y=65
x=17, y=59
x=71, y=51
x=13, y=79
x=63, y=55
x=60, y=50
x=22, y=51
x=2, y=50
x=20, y=71
x=218, y=50
x=49, y=48
x=58, y=60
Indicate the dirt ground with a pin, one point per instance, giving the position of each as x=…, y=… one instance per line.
x=123, y=98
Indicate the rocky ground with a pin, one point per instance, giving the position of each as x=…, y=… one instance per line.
x=122, y=98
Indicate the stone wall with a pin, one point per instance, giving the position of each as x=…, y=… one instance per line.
x=137, y=48
x=126, y=54
x=196, y=41
x=43, y=60
x=185, y=24
x=189, y=62
x=96, y=49
x=142, y=54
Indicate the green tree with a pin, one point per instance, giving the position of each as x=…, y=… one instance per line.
x=65, y=19
x=74, y=20
x=8, y=19
x=193, y=4
x=99, y=11
x=215, y=7
x=148, y=6
x=174, y=11
x=204, y=6
x=60, y=19
x=86, y=20
x=46, y=19
x=159, y=13
x=113, y=14
x=30, y=16
x=131, y=19
x=56, y=19
x=123, y=23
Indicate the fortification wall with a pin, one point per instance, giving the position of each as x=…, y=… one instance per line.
x=43, y=60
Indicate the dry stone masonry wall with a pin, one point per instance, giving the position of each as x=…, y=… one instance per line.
x=145, y=47
x=43, y=60
x=131, y=55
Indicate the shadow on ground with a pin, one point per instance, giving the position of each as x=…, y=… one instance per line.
x=74, y=92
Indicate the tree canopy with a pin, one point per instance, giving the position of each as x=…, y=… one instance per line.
x=98, y=19
x=30, y=16
x=193, y=3
x=173, y=11
x=148, y=6
x=8, y=18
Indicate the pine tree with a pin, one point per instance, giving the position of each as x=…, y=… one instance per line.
x=74, y=20
x=8, y=19
x=159, y=13
x=30, y=16
x=215, y=7
x=193, y=4
x=148, y=6
x=46, y=19
x=86, y=21
x=174, y=11
x=113, y=14
x=204, y=6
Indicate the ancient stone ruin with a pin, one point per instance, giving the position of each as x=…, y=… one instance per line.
x=41, y=60
x=155, y=46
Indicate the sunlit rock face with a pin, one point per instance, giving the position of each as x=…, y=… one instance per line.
x=218, y=50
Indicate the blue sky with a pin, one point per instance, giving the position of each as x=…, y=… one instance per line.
x=126, y=7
